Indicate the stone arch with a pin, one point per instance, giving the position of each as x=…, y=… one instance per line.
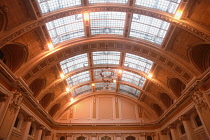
x=149, y=138
x=45, y=101
x=14, y=55
x=199, y=55
x=37, y=85
x=176, y=86
x=165, y=99
x=54, y=109
x=158, y=110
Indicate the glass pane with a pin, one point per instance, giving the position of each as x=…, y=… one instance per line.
x=148, y=28
x=66, y=28
x=51, y=5
x=169, y=6
x=73, y=63
x=108, y=1
x=81, y=90
x=129, y=90
x=133, y=78
x=138, y=62
x=99, y=74
x=107, y=22
x=106, y=57
x=78, y=78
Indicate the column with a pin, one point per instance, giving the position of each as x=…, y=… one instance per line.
x=142, y=136
x=25, y=128
x=39, y=131
x=163, y=135
x=10, y=115
x=187, y=126
x=172, y=128
x=202, y=109
x=4, y=103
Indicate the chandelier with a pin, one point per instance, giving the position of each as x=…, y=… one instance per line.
x=107, y=76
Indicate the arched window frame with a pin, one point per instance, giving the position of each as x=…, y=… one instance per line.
x=107, y=136
x=148, y=137
x=130, y=135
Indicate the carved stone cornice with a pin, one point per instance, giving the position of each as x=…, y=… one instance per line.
x=199, y=100
x=3, y=97
x=33, y=25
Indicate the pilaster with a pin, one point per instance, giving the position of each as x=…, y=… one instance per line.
x=202, y=109
x=39, y=132
x=26, y=127
x=187, y=126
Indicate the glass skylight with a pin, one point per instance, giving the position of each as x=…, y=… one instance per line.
x=66, y=28
x=106, y=72
x=148, y=28
x=107, y=22
x=169, y=6
x=51, y=5
x=129, y=90
x=106, y=57
x=133, y=78
x=81, y=90
x=73, y=63
x=108, y=1
x=105, y=86
x=138, y=62
x=78, y=78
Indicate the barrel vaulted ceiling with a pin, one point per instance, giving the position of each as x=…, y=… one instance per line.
x=59, y=50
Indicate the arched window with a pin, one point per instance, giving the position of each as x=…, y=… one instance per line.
x=130, y=138
x=62, y=138
x=182, y=130
x=176, y=85
x=81, y=138
x=106, y=138
x=149, y=138
x=198, y=121
x=16, y=122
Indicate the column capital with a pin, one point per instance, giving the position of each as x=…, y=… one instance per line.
x=93, y=135
x=118, y=134
x=3, y=97
x=29, y=119
x=163, y=132
x=150, y=134
x=171, y=126
x=183, y=118
x=48, y=133
x=142, y=134
x=199, y=100
x=41, y=127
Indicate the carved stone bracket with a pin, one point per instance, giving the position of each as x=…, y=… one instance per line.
x=3, y=97
x=16, y=101
x=41, y=127
x=171, y=126
x=142, y=134
x=199, y=100
x=118, y=134
x=183, y=118
x=29, y=119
